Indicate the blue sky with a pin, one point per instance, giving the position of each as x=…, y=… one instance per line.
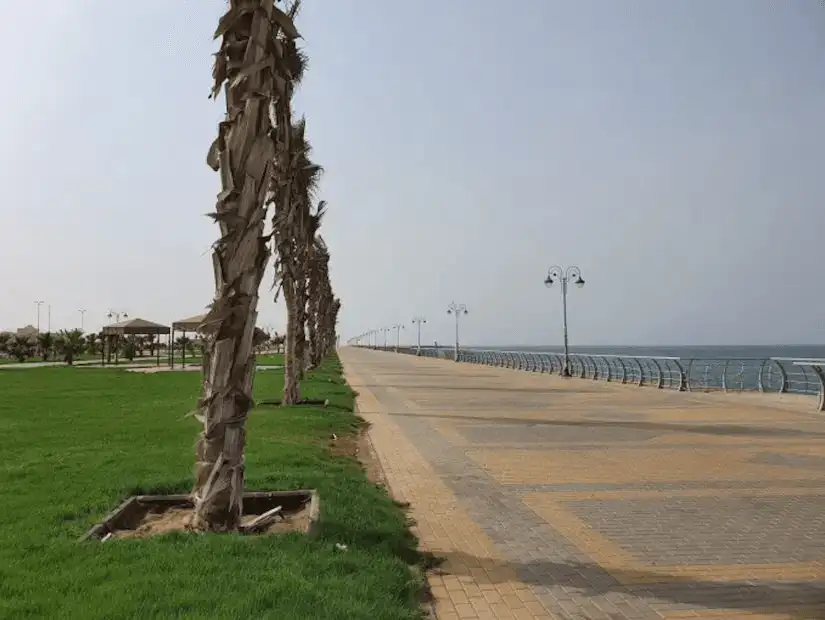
x=672, y=150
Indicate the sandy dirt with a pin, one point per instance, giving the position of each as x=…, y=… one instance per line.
x=177, y=520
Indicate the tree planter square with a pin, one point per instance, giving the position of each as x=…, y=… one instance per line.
x=150, y=515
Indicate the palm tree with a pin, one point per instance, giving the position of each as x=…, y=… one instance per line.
x=294, y=181
x=318, y=287
x=129, y=347
x=5, y=337
x=69, y=343
x=278, y=341
x=304, y=185
x=94, y=342
x=21, y=347
x=251, y=68
x=185, y=342
x=45, y=342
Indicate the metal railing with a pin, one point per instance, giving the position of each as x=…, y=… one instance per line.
x=777, y=375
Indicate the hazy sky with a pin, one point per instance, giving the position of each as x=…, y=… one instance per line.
x=672, y=150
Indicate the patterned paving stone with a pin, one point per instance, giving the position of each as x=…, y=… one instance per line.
x=676, y=530
x=702, y=506
x=530, y=433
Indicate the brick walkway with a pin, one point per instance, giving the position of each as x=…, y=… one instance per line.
x=584, y=500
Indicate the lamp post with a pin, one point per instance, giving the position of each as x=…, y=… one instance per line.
x=397, y=327
x=116, y=315
x=419, y=320
x=82, y=312
x=113, y=314
x=38, y=304
x=386, y=331
x=457, y=310
x=565, y=276
x=49, y=318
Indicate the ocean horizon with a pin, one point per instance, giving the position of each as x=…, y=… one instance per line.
x=705, y=352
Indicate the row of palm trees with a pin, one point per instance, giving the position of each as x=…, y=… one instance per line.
x=264, y=160
x=66, y=344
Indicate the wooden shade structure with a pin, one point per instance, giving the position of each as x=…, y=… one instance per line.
x=131, y=327
x=191, y=324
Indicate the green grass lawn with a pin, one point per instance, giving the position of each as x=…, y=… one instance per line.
x=271, y=359
x=78, y=441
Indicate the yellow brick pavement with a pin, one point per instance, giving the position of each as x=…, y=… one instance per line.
x=470, y=584
x=592, y=501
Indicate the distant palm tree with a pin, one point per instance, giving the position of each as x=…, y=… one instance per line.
x=70, y=344
x=318, y=289
x=185, y=342
x=292, y=226
x=93, y=343
x=45, y=342
x=21, y=347
x=4, y=342
x=129, y=347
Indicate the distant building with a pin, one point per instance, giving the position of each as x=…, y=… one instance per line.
x=27, y=331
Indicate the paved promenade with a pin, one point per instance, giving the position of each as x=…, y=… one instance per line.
x=575, y=499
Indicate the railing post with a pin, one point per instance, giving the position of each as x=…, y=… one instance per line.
x=660, y=380
x=725, y=376
x=820, y=406
x=782, y=373
x=641, y=372
x=624, y=371
x=760, y=380
x=682, y=376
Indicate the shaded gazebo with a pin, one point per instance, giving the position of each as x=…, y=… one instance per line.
x=191, y=324
x=131, y=327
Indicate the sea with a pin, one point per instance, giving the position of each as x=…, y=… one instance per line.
x=742, y=367
x=686, y=352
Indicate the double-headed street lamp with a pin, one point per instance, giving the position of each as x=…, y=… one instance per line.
x=419, y=320
x=82, y=312
x=566, y=276
x=114, y=314
x=397, y=327
x=386, y=331
x=457, y=310
x=38, y=304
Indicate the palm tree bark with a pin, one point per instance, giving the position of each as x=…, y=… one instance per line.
x=243, y=153
x=292, y=392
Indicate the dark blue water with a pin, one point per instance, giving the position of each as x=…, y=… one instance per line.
x=687, y=352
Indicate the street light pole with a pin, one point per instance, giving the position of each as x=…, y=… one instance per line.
x=397, y=327
x=113, y=314
x=38, y=304
x=82, y=312
x=49, y=323
x=418, y=320
x=457, y=310
x=565, y=276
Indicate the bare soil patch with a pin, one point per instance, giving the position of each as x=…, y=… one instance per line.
x=152, y=515
x=163, y=521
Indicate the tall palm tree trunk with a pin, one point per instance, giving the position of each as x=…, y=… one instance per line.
x=312, y=327
x=292, y=392
x=243, y=153
x=300, y=327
